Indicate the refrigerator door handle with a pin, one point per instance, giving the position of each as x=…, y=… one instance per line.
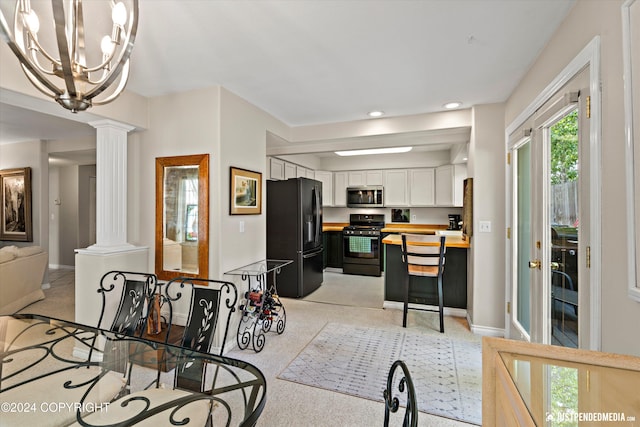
x=317, y=213
x=312, y=254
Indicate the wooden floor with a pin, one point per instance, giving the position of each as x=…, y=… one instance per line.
x=564, y=326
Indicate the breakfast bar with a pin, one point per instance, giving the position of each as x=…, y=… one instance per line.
x=455, y=273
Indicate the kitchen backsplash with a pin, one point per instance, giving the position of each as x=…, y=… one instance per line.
x=417, y=215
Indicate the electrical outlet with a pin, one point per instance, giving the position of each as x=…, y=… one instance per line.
x=413, y=217
x=485, y=226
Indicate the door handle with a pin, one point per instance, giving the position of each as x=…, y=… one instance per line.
x=535, y=264
x=555, y=265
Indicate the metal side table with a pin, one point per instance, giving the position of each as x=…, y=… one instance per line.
x=261, y=306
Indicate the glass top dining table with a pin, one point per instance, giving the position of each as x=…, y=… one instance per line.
x=54, y=373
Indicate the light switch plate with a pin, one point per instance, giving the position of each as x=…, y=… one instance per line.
x=485, y=226
x=242, y=226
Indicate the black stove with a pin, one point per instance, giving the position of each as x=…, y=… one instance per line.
x=364, y=224
x=362, y=245
x=362, y=230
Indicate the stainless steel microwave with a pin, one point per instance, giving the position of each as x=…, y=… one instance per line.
x=368, y=196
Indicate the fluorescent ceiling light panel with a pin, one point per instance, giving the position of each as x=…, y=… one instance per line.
x=374, y=151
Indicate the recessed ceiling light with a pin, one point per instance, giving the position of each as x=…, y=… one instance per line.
x=374, y=151
x=452, y=105
x=375, y=113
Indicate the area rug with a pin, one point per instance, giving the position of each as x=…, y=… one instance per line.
x=446, y=372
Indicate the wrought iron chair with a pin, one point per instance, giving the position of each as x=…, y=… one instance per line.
x=423, y=256
x=392, y=404
x=129, y=306
x=212, y=302
x=125, y=297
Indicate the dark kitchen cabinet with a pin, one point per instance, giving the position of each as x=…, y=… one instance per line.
x=423, y=289
x=333, y=249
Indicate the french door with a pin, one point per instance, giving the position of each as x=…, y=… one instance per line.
x=549, y=166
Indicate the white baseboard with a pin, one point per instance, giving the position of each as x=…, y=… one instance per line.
x=485, y=331
x=448, y=311
x=61, y=267
x=46, y=286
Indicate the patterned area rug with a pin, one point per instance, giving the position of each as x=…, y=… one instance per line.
x=447, y=373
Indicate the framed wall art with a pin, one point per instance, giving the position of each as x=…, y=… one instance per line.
x=15, y=210
x=245, y=192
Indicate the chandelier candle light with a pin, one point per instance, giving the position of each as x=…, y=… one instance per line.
x=70, y=79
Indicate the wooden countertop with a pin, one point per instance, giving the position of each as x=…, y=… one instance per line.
x=413, y=228
x=391, y=228
x=334, y=226
x=450, y=242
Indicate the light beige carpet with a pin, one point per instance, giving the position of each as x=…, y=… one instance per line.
x=349, y=290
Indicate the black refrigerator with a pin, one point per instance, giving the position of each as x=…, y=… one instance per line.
x=294, y=232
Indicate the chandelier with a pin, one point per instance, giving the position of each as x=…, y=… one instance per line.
x=67, y=62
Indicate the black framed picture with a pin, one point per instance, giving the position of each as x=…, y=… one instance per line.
x=15, y=210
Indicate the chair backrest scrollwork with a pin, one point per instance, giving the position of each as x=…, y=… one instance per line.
x=392, y=403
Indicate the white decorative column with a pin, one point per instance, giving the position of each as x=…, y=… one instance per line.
x=111, y=186
x=111, y=251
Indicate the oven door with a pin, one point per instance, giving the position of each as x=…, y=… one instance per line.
x=361, y=249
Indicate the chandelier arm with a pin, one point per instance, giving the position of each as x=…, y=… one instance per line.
x=124, y=55
x=63, y=48
x=101, y=66
x=34, y=57
x=118, y=90
x=24, y=60
x=77, y=42
x=38, y=84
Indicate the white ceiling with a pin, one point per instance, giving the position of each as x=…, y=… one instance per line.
x=323, y=61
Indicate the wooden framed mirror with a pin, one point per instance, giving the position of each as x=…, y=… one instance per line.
x=182, y=216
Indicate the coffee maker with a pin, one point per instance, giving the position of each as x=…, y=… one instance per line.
x=455, y=222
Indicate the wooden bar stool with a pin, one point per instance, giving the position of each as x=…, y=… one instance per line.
x=423, y=256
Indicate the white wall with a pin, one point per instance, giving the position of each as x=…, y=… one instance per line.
x=431, y=216
x=243, y=133
x=30, y=154
x=179, y=124
x=586, y=20
x=485, y=289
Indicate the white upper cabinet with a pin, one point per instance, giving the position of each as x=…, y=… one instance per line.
x=365, y=177
x=290, y=171
x=395, y=187
x=374, y=177
x=340, y=184
x=276, y=168
x=422, y=187
x=449, y=181
x=326, y=178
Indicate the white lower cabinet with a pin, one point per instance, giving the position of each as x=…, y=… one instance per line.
x=395, y=187
x=422, y=187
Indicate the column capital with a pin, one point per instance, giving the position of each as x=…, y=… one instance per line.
x=101, y=124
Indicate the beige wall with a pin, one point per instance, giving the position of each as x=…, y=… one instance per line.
x=486, y=299
x=179, y=124
x=590, y=18
x=243, y=133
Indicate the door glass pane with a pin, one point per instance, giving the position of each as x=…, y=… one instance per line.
x=564, y=230
x=523, y=215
